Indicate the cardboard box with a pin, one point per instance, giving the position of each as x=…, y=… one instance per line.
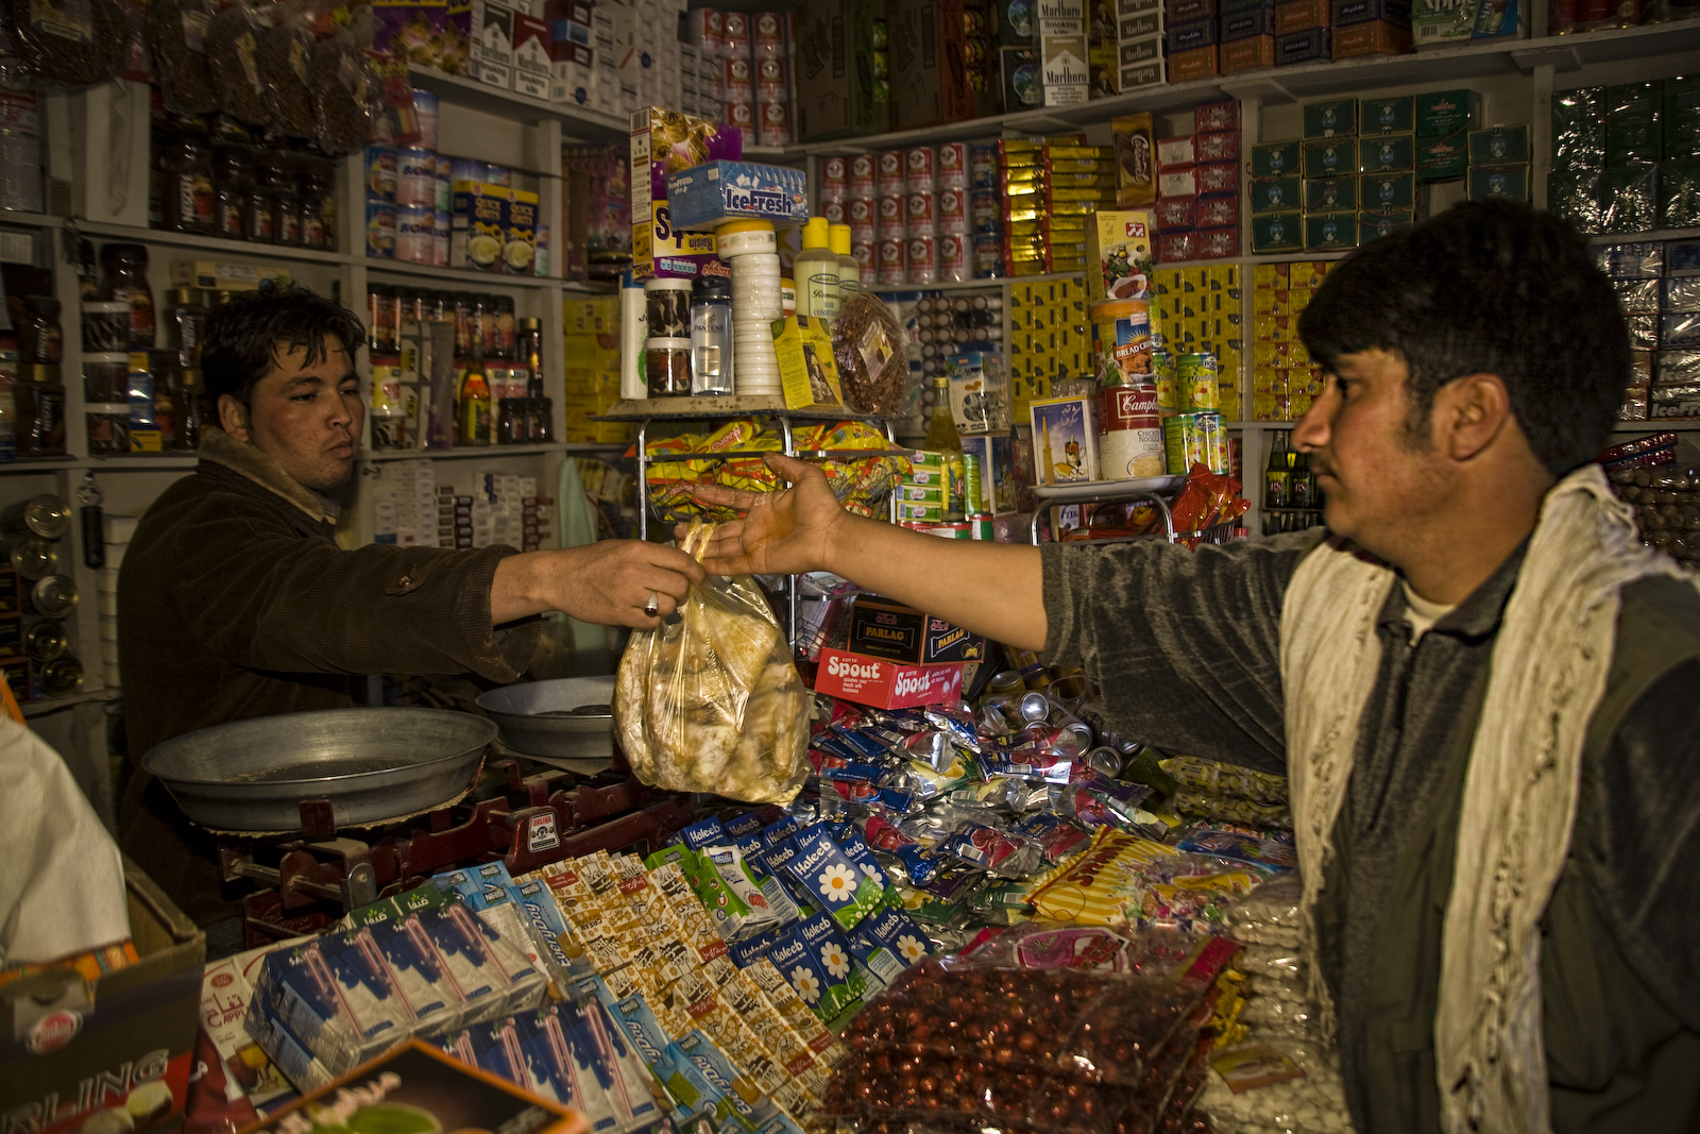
x=1388, y=191
x=72, y=1048
x=1332, y=119
x=1136, y=167
x=1190, y=37
x=492, y=47
x=1442, y=23
x=1188, y=65
x=215, y=276
x=706, y=196
x=1244, y=25
x=1500, y=145
x=1330, y=158
x=1387, y=115
x=1387, y=153
x=1277, y=232
x=1330, y=232
x=886, y=684
x=1331, y=195
x=1349, y=12
x=1023, y=81
x=996, y=453
x=929, y=71
x=493, y=228
x=1378, y=224
x=1301, y=47
x=1276, y=195
x=834, y=76
x=1443, y=159
x=1371, y=39
x=806, y=367
x=1065, y=440
x=1441, y=113
x=664, y=142
x=1301, y=15
x=1064, y=70
x=1499, y=182
x=1118, y=246
x=881, y=628
x=1276, y=159
x=1246, y=54
x=1059, y=17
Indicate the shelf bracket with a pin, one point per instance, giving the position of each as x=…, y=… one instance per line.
x=1558, y=56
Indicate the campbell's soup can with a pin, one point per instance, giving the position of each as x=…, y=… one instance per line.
x=953, y=257
x=866, y=262
x=923, y=253
x=921, y=213
x=918, y=168
x=415, y=234
x=952, y=165
x=862, y=180
x=1121, y=341
x=1130, y=440
x=892, y=268
x=953, y=210
x=835, y=179
x=888, y=220
x=1197, y=375
x=888, y=174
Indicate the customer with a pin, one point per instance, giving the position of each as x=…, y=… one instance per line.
x=1480, y=684
x=236, y=601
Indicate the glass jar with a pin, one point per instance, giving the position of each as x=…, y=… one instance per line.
x=125, y=268
x=317, y=182
x=188, y=409
x=484, y=306
x=512, y=427
x=186, y=324
x=711, y=336
x=286, y=208
x=529, y=354
x=186, y=189
x=466, y=322
x=106, y=327
x=40, y=407
x=667, y=365
x=259, y=216
x=39, y=339
x=507, y=332
x=380, y=319
x=230, y=192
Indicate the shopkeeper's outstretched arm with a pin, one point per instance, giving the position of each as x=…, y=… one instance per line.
x=994, y=589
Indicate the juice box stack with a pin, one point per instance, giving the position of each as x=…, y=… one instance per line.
x=1284, y=379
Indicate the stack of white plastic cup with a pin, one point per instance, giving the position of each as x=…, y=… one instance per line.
x=752, y=250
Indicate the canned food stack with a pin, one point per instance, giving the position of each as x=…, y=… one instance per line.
x=890, y=219
x=946, y=325
x=752, y=250
x=36, y=597
x=752, y=50
x=985, y=211
x=20, y=151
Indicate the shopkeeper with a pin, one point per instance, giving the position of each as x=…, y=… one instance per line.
x=235, y=600
x=1481, y=685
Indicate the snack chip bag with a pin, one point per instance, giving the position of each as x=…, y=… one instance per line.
x=709, y=701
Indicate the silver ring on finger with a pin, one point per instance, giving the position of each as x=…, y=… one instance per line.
x=653, y=606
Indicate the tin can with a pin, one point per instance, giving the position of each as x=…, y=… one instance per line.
x=953, y=210
x=985, y=212
x=863, y=233
x=983, y=167
x=773, y=122
x=739, y=78
x=1215, y=442
x=768, y=34
x=833, y=211
x=923, y=259
x=862, y=180
x=20, y=172
x=1196, y=375
x=920, y=214
x=834, y=179
x=415, y=234
x=380, y=230
x=861, y=211
x=952, y=166
x=741, y=114
x=20, y=111
x=953, y=258
x=918, y=169
x=425, y=107
x=866, y=264
x=888, y=174
x=988, y=257
x=416, y=178
x=770, y=72
x=892, y=267
x=61, y=677
x=53, y=596
x=1168, y=392
x=888, y=218
x=1183, y=444
x=1130, y=441
x=46, y=640
x=1121, y=341
x=381, y=173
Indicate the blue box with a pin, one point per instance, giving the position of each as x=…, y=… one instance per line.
x=1301, y=47
x=1190, y=36
x=1349, y=12
x=708, y=195
x=1244, y=25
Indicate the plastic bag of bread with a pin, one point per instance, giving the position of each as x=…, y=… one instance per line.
x=709, y=701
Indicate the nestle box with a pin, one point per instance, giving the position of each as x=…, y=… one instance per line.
x=1388, y=191
x=1499, y=182
x=1331, y=194
x=1276, y=159
x=881, y=628
x=1331, y=119
x=124, y=1042
x=704, y=196
x=1277, y=232
x=1378, y=224
x=1500, y=145
x=835, y=83
x=886, y=684
x=1330, y=232
x=1387, y=153
x=1330, y=158
x=1388, y=115
x=1276, y=195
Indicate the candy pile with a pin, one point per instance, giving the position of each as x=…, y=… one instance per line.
x=731, y=456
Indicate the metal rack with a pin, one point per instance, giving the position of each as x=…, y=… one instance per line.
x=1151, y=488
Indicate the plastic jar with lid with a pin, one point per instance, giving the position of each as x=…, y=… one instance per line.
x=106, y=326
x=667, y=307
x=667, y=365
x=39, y=337
x=737, y=238
x=711, y=336
x=125, y=268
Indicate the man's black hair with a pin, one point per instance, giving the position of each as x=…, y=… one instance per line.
x=1493, y=288
x=245, y=336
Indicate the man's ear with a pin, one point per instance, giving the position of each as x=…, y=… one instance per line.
x=233, y=418
x=1470, y=412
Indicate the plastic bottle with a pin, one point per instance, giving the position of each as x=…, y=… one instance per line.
x=816, y=271
x=849, y=268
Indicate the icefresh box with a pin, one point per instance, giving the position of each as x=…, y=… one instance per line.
x=707, y=195
x=886, y=684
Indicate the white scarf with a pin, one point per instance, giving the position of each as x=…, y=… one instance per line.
x=1549, y=668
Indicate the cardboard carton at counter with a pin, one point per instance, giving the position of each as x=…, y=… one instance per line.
x=124, y=1042
x=886, y=684
x=880, y=628
x=929, y=71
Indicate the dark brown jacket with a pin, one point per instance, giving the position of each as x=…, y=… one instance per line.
x=235, y=601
